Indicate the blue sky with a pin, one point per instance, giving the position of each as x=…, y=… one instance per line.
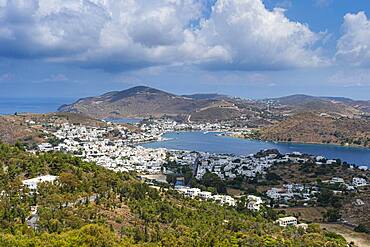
x=246, y=48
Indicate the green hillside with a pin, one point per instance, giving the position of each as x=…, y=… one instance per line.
x=92, y=206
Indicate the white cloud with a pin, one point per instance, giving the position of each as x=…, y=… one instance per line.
x=353, y=47
x=121, y=35
x=249, y=37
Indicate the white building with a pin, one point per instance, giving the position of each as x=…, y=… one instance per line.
x=336, y=180
x=273, y=193
x=224, y=199
x=359, y=182
x=205, y=195
x=287, y=221
x=229, y=201
x=192, y=192
x=253, y=206
x=254, y=203
x=302, y=225
x=33, y=182
x=359, y=202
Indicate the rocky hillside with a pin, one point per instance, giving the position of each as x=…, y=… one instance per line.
x=331, y=105
x=28, y=128
x=13, y=128
x=311, y=127
x=137, y=102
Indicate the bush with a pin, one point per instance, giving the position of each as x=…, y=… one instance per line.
x=362, y=228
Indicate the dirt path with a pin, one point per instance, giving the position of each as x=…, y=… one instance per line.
x=360, y=239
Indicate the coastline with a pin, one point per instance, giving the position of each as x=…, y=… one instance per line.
x=195, y=141
x=299, y=142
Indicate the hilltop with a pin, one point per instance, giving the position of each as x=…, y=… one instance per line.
x=149, y=102
x=136, y=102
x=144, y=101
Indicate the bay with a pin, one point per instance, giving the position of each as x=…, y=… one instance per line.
x=212, y=143
x=123, y=120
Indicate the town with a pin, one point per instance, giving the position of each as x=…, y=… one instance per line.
x=117, y=147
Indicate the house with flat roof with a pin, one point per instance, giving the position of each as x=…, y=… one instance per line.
x=33, y=182
x=287, y=221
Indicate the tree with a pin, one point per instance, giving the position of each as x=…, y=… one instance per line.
x=362, y=228
x=328, y=198
x=332, y=215
x=212, y=180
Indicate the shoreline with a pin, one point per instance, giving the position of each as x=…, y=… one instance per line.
x=222, y=134
x=285, y=146
x=300, y=142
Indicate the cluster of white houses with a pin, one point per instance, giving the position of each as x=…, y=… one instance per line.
x=206, y=195
x=93, y=144
x=230, y=166
x=306, y=192
x=290, y=191
x=254, y=203
x=158, y=126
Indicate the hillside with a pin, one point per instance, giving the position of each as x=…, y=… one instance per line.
x=91, y=206
x=136, y=102
x=149, y=102
x=28, y=128
x=212, y=96
x=331, y=105
x=13, y=128
x=310, y=127
x=144, y=101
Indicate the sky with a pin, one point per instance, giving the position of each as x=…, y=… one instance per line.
x=244, y=48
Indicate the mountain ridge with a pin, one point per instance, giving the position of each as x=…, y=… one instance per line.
x=143, y=101
x=137, y=101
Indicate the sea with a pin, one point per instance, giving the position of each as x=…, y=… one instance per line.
x=35, y=105
x=214, y=143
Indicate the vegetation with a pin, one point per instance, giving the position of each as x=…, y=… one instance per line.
x=362, y=228
x=91, y=206
x=310, y=172
x=311, y=127
x=28, y=128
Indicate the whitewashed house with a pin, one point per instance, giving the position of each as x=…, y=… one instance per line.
x=205, y=195
x=357, y=182
x=33, y=182
x=287, y=221
x=254, y=203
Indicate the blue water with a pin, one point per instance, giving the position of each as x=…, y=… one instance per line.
x=124, y=120
x=210, y=142
x=34, y=105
